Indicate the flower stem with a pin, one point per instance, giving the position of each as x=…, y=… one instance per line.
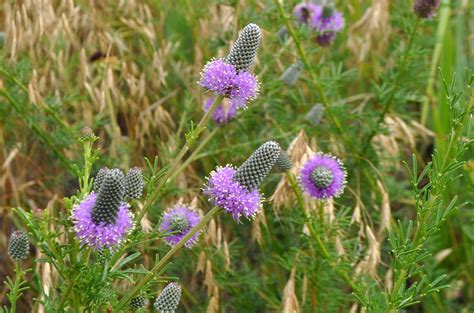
x=314, y=78
x=16, y=286
x=322, y=247
x=165, y=260
x=197, y=131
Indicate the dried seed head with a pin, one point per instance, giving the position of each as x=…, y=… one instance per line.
x=109, y=198
x=18, y=246
x=99, y=179
x=138, y=302
x=168, y=300
x=283, y=163
x=243, y=52
x=252, y=172
x=134, y=183
x=315, y=114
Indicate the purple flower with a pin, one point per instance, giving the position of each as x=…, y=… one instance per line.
x=178, y=221
x=222, y=78
x=224, y=112
x=224, y=191
x=426, y=8
x=323, y=176
x=101, y=235
x=327, y=22
x=305, y=10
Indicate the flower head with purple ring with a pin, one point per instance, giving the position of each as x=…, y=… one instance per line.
x=222, y=78
x=224, y=191
x=323, y=176
x=178, y=221
x=101, y=235
x=224, y=112
x=327, y=21
x=305, y=11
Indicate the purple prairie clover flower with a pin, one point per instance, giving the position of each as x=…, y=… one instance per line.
x=236, y=190
x=178, y=221
x=102, y=219
x=223, y=78
x=323, y=176
x=327, y=22
x=425, y=8
x=100, y=235
x=305, y=11
x=224, y=112
x=224, y=191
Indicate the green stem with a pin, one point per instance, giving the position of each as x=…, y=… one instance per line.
x=164, y=261
x=322, y=247
x=314, y=78
x=391, y=95
x=200, y=127
x=16, y=286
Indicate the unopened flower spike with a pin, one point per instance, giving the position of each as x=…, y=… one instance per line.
x=323, y=176
x=425, y=8
x=134, y=183
x=18, y=245
x=102, y=220
x=86, y=134
x=231, y=77
x=177, y=222
x=236, y=190
x=99, y=179
x=292, y=73
x=168, y=300
x=138, y=302
x=315, y=114
x=283, y=162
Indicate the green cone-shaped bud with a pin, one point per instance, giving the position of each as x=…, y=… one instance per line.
x=138, y=302
x=243, y=52
x=322, y=177
x=168, y=300
x=134, y=183
x=18, y=246
x=109, y=198
x=252, y=172
x=283, y=163
x=179, y=223
x=99, y=179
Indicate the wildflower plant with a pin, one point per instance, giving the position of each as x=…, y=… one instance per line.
x=162, y=203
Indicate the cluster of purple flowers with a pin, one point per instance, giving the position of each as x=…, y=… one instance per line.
x=231, y=77
x=324, y=20
x=177, y=222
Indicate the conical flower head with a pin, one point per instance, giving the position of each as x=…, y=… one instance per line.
x=99, y=179
x=86, y=134
x=138, y=302
x=283, y=163
x=425, y=8
x=252, y=172
x=134, y=183
x=109, y=198
x=18, y=246
x=168, y=300
x=292, y=73
x=243, y=52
